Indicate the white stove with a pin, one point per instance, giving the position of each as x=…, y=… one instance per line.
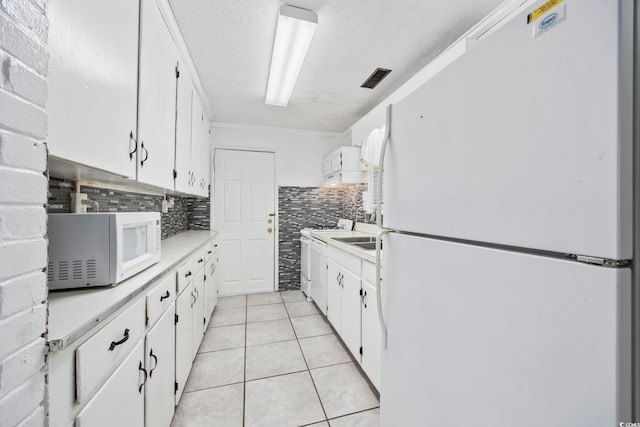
x=305, y=251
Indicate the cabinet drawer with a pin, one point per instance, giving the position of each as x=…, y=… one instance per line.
x=199, y=257
x=160, y=298
x=209, y=250
x=186, y=274
x=347, y=260
x=369, y=272
x=96, y=358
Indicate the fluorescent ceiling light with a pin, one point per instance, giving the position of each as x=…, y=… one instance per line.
x=293, y=35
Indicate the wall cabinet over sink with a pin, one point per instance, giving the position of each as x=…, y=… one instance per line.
x=125, y=105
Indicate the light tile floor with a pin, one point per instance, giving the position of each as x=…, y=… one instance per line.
x=272, y=360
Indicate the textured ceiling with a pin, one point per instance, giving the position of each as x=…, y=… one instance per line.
x=230, y=42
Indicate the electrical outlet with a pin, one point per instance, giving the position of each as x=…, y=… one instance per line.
x=77, y=205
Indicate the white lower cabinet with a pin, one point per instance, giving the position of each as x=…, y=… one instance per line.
x=198, y=313
x=351, y=312
x=160, y=348
x=210, y=287
x=184, y=338
x=352, y=309
x=120, y=401
x=343, y=299
x=334, y=295
x=132, y=367
x=371, y=333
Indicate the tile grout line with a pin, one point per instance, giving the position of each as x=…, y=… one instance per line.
x=309, y=371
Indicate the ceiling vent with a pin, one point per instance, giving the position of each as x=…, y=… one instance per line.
x=375, y=78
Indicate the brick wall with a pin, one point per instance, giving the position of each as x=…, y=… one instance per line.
x=23, y=193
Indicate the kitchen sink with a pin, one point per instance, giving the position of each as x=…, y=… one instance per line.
x=354, y=240
x=366, y=245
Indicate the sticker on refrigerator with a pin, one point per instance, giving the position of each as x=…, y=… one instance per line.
x=542, y=10
x=550, y=20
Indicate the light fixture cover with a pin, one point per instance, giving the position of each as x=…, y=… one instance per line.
x=293, y=36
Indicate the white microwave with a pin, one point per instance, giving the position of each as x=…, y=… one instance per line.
x=100, y=249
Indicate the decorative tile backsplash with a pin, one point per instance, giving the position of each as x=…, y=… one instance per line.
x=299, y=207
x=188, y=213
x=315, y=207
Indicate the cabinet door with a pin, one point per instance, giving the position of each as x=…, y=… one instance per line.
x=326, y=165
x=198, y=312
x=195, y=166
x=334, y=294
x=209, y=291
x=157, y=99
x=205, y=157
x=336, y=161
x=216, y=278
x=371, y=335
x=120, y=401
x=184, y=332
x=160, y=347
x=93, y=82
x=350, y=326
x=183, y=132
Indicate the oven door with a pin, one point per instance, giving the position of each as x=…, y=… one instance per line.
x=305, y=257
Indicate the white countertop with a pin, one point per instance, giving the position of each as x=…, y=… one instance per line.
x=329, y=238
x=73, y=313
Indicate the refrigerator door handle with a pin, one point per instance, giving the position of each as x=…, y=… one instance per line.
x=383, y=326
x=383, y=230
x=383, y=149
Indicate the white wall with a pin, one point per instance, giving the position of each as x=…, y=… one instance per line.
x=299, y=154
x=23, y=193
x=376, y=118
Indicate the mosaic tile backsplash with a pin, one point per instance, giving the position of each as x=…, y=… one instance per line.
x=188, y=213
x=299, y=207
x=315, y=207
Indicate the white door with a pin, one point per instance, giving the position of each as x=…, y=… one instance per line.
x=244, y=215
x=503, y=338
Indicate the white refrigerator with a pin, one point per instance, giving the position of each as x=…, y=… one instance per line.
x=508, y=182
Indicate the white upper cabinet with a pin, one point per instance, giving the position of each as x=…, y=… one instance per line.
x=192, y=140
x=343, y=166
x=122, y=96
x=157, y=99
x=205, y=158
x=93, y=82
x=183, y=132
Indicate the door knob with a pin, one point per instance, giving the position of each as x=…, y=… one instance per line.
x=269, y=229
x=269, y=221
